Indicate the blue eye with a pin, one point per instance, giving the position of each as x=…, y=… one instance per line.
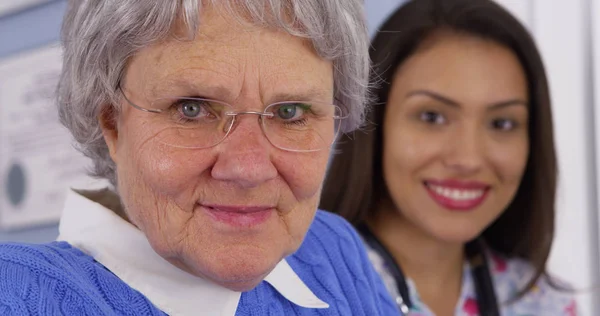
x=197, y=109
x=191, y=108
x=432, y=117
x=287, y=111
x=290, y=111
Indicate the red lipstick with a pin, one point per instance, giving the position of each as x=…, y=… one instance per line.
x=457, y=195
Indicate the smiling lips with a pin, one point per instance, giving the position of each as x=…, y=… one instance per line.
x=239, y=216
x=456, y=195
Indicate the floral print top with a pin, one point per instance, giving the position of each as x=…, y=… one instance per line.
x=509, y=276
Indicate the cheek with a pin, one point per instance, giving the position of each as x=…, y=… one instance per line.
x=406, y=152
x=166, y=170
x=303, y=172
x=510, y=161
x=155, y=177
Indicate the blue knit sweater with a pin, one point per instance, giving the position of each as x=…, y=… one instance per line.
x=57, y=279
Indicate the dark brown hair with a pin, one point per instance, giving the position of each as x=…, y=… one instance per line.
x=355, y=186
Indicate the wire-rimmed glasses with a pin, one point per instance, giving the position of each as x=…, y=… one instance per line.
x=190, y=122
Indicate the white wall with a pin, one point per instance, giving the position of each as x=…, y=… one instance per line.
x=11, y=6
x=595, y=12
x=562, y=30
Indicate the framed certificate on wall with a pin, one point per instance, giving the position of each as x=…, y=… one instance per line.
x=38, y=162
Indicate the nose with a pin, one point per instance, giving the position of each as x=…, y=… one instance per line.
x=244, y=157
x=465, y=151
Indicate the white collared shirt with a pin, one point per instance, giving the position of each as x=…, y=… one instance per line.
x=125, y=251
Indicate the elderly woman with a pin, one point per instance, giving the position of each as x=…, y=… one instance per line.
x=213, y=120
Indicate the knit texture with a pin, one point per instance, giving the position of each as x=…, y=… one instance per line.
x=57, y=279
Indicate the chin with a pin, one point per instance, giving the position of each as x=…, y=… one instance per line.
x=238, y=270
x=456, y=235
x=243, y=285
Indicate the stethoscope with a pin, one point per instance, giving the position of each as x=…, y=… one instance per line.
x=484, y=287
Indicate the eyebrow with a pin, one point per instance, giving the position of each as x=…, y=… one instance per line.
x=453, y=103
x=224, y=93
x=190, y=87
x=310, y=94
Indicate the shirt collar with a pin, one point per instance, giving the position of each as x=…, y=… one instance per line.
x=125, y=251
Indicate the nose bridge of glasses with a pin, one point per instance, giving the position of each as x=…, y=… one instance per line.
x=261, y=114
x=231, y=116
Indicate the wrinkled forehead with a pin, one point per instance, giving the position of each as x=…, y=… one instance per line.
x=229, y=56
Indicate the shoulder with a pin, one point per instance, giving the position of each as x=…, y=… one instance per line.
x=58, y=279
x=332, y=261
x=332, y=238
x=333, y=224
x=30, y=262
x=36, y=277
x=330, y=233
x=56, y=259
x=549, y=296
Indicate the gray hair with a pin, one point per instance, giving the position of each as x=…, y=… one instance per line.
x=99, y=37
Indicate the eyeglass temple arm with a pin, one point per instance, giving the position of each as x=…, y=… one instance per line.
x=135, y=105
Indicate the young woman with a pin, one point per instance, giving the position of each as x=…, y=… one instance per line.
x=452, y=181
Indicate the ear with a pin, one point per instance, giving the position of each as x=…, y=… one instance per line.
x=108, y=123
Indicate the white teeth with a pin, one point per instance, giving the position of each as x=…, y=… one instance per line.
x=457, y=194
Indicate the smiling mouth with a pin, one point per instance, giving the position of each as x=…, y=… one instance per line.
x=457, y=196
x=239, y=217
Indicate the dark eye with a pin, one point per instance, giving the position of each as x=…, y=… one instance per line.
x=432, y=117
x=504, y=124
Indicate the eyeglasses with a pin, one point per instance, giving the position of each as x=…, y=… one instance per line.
x=296, y=126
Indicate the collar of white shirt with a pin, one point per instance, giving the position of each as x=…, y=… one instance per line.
x=124, y=250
